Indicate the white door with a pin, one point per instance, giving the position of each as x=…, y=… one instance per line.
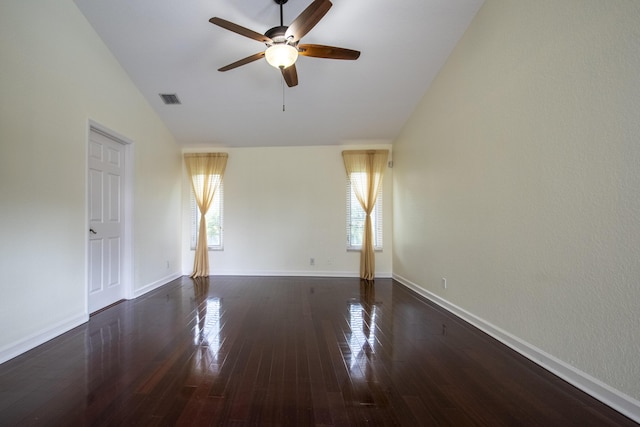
x=106, y=221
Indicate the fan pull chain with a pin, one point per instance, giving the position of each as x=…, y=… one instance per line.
x=283, y=95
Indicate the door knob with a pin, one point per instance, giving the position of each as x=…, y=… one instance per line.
x=92, y=231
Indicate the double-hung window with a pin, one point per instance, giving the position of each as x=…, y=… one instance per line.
x=356, y=217
x=214, y=219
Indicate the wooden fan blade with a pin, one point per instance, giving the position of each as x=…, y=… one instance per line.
x=308, y=19
x=240, y=30
x=243, y=61
x=321, y=51
x=290, y=75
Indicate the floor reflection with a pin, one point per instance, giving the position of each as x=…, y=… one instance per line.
x=206, y=334
x=362, y=320
x=364, y=389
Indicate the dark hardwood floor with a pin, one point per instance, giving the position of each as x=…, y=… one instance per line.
x=278, y=351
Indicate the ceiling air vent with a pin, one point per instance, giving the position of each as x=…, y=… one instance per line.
x=170, y=98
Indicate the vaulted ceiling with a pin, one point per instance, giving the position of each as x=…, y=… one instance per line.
x=169, y=46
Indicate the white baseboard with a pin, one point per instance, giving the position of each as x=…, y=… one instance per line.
x=292, y=273
x=154, y=285
x=15, y=349
x=619, y=401
x=32, y=341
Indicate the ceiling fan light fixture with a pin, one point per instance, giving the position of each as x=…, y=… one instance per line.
x=281, y=55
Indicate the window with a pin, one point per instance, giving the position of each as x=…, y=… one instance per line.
x=214, y=220
x=356, y=216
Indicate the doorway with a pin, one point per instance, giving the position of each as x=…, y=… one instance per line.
x=109, y=218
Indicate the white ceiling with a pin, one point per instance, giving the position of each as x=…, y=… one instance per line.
x=168, y=46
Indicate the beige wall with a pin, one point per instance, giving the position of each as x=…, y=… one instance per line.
x=55, y=76
x=283, y=206
x=518, y=178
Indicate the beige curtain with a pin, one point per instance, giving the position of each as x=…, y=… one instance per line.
x=206, y=171
x=365, y=169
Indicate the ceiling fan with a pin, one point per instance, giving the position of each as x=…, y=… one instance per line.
x=282, y=42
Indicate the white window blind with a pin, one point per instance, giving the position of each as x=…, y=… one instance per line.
x=356, y=217
x=214, y=217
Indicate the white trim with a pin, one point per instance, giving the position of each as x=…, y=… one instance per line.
x=127, y=262
x=619, y=401
x=292, y=273
x=15, y=349
x=154, y=285
x=109, y=133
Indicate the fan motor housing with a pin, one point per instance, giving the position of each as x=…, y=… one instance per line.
x=277, y=33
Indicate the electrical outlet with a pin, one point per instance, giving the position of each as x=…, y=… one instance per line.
x=444, y=283
x=312, y=261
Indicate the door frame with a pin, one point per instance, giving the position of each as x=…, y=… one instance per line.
x=127, y=200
